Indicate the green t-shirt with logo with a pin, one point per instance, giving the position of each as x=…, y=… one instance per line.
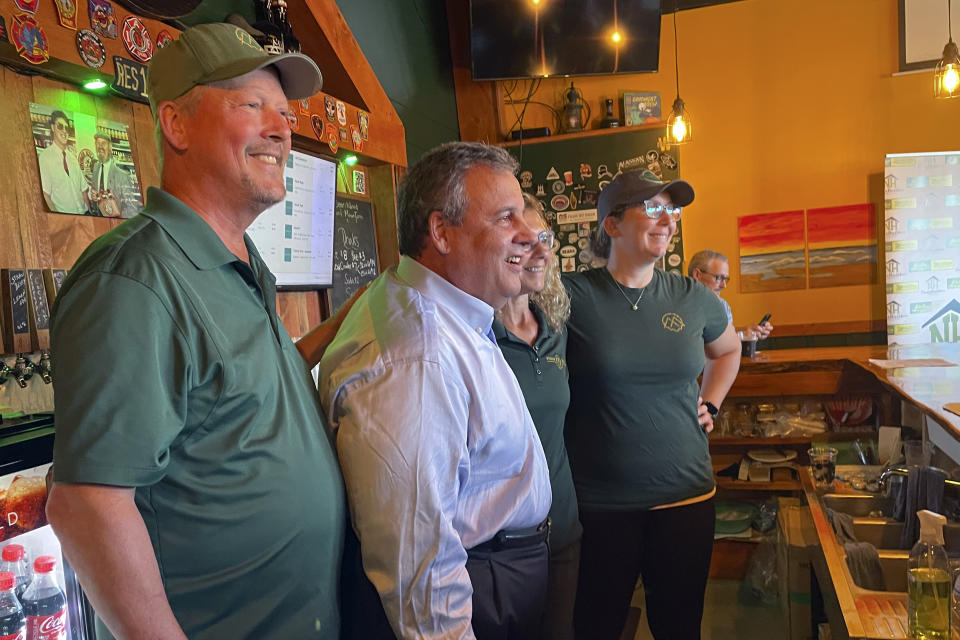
x=632, y=431
x=176, y=377
x=541, y=370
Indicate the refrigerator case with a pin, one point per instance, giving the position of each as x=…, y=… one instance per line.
x=26, y=452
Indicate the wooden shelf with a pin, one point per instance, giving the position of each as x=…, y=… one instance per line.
x=589, y=133
x=746, y=485
x=743, y=441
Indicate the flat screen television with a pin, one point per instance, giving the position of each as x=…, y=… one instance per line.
x=523, y=39
x=295, y=236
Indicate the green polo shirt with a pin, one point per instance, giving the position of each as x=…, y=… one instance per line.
x=175, y=376
x=541, y=370
x=632, y=430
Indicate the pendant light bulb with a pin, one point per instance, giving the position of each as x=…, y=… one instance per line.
x=679, y=125
x=946, y=76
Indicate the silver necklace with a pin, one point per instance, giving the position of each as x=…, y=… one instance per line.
x=624, y=293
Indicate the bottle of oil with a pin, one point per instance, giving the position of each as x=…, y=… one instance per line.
x=928, y=581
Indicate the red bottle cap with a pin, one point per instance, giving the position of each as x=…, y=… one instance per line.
x=44, y=564
x=12, y=552
x=7, y=580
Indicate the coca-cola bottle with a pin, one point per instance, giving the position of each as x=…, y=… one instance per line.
x=13, y=625
x=13, y=559
x=44, y=603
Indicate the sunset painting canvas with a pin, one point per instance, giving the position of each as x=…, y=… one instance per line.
x=842, y=244
x=771, y=252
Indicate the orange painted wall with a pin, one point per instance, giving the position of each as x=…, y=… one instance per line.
x=794, y=107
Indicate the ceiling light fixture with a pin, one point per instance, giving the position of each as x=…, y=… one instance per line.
x=679, y=124
x=946, y=76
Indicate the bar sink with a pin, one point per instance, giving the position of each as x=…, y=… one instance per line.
x=858, y=506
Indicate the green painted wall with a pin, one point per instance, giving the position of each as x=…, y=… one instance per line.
x=407, y=45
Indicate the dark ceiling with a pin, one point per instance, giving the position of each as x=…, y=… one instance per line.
x=217, y=10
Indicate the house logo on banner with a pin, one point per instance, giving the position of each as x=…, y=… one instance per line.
x=922, y=245
x=943, y=324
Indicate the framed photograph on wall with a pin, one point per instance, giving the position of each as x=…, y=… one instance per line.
x=640, y=108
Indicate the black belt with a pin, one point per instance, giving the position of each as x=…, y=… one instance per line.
x=516, y=538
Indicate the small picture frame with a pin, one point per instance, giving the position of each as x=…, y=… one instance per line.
x=640, y=107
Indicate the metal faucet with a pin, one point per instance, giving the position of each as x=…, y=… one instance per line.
x=45, y=367
x=23, y=370
x=900, y=471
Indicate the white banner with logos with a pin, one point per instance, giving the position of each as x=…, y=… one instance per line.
x=922, y=246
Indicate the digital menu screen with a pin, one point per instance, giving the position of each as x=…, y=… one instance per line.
x=295, y=236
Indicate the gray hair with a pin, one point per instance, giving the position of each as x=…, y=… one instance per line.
x=702, y=259
x=436, y=183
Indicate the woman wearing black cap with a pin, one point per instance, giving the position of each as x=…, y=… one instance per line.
x=636, y=430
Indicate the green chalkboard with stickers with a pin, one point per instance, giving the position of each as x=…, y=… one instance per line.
x=567, y=173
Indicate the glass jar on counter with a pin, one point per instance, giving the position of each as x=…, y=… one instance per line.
x=766, y=417
x=742, y=419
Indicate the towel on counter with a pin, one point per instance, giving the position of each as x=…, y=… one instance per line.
x=863, y=561
x=922, y=490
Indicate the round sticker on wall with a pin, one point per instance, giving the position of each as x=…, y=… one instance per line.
x=674, y=260
x=91, y=49
x=559, y=203
x=558, y=186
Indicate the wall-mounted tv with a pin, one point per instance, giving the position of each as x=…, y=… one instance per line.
x=523, y=39
x=295, y=236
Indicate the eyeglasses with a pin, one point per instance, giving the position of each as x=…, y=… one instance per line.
x=61, y=125
x=655, y=209
x=716, y=277
x=547, y=238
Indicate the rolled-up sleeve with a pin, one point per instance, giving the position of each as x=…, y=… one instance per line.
x=402, y=440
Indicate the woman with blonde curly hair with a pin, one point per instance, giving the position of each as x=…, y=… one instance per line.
x=531, y=333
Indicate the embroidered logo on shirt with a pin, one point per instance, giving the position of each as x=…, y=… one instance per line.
x=557, y=360
x=672, y=322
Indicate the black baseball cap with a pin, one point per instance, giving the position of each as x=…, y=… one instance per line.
x=631, y=188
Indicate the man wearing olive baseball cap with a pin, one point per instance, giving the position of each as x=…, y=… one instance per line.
x=195, y=491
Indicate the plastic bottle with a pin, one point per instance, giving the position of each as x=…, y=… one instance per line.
x=44, y=603
x=928, y=582
x=13, y=559
x=13, y=625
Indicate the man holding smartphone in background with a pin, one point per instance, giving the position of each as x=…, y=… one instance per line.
x=713, y=270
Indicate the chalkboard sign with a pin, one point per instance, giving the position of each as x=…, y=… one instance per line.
x=38, y=299
x=354, y=248
x=18, y=300
x=16, y=322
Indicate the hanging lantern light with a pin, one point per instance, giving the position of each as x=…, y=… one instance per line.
x=946, y=76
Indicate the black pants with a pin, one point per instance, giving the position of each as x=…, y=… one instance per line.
x=557, y=622
x=509, y=589
x=669, y=548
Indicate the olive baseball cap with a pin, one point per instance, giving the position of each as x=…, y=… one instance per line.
x=633, y=187
x=219, y=51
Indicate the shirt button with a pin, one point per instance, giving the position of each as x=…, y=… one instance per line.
x=479, y=330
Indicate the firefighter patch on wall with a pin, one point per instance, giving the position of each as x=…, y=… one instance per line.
x=29, y=39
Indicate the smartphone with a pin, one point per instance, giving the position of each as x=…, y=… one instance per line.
x=764, y=319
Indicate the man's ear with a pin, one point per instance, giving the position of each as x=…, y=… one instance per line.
x=438, y=227
x=611, y=226
x=173, y=121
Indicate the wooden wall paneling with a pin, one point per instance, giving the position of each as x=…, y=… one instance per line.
x=11, y=244
x=478, y=103
x=327, y=39
x=383, y=194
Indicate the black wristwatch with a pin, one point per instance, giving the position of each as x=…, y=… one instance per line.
x=711, y=408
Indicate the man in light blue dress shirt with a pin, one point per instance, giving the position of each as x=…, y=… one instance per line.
x=446, y=480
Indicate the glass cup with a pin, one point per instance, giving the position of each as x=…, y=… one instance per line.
x=917, y=453
x=823, y=461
